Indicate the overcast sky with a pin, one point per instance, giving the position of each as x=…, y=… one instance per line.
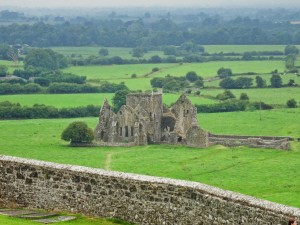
x=145, y=3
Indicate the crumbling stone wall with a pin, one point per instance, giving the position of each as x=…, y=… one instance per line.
x=134, y=198
x=251, y=141
x=144, y=120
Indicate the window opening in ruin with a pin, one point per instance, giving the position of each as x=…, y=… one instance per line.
x=120, y=112
x=150, y=114
x=132, y=131
x=187, y=111
x=121, y=131
x=126, y=131
x=102, y=134
x=179, y=139
x=140, y=128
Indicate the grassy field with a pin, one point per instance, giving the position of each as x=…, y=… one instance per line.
x=122, y=73
x=242, y=48
x=279, y=122
x=208, y=69
x=115, y=71
x=11, y=66
x=125, y=52
x=65, y=100
x=5, y=220
x=85, y=52
x=268, y=95
x=250, y=171
x=74, y=100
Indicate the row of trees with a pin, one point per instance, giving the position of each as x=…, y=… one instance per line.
x=247, y=82
x=60, y=88
x=10, y=110
x=232, y=105
x=173, y=84
x=118, y=33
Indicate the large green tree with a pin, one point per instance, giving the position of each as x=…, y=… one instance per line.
x=119, y=99
x=290, y=61
x=291, y=49
x=276, y=81
x=103, y=52
x=4, y=51
x=78, y=133
x=3, y=70
x=260, y=82
x=224, y=72
x=45, y=59
x=191, y=76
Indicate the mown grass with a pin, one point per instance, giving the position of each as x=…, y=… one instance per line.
x=207, y=69
x=277, y=96
x=5, y=220
x=58, y=100
x=114, y=71
x=75, y=100
x=279, y=122
x=242, y=48
x=264, y=173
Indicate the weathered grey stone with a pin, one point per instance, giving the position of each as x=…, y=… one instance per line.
x=16, y=212
x=144, y=120
x=251, y=141
x=56, y=219
x=131, y=197
x=38, y=215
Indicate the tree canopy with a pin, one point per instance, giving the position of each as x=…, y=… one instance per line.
x=119, y=99
x=45, y=59
x=276, y=81
x=78, y=133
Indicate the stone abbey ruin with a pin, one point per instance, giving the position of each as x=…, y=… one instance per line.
x=146, y=120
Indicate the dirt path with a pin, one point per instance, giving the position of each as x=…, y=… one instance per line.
x=107, y=161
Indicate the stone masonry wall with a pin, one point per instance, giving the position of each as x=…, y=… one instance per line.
x=134, y=198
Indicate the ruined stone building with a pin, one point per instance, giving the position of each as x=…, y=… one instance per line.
x=145, y=120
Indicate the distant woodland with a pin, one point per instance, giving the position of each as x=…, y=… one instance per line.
x=152, y=29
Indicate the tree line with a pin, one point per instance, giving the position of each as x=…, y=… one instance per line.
x=161, y=32
x=59, y=88
x=9, y=110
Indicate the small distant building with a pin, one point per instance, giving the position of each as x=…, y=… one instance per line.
x=145, y=120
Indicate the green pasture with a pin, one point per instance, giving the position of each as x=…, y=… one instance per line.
x=11, y=65
x=242, y=48
x=125, y=52
x=207, y=69
x=75, y=100
x=264, y=173
x=277, y=96
x=85, y=52
x=58, y=100
x=5, y=220
x=276, y=122
x=110, y=72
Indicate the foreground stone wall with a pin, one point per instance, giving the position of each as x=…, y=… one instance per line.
x=134, y=198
